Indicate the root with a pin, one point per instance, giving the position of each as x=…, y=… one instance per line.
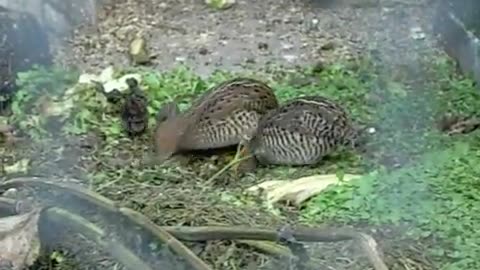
x=166, y=238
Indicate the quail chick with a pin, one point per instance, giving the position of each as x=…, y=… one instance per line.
x=134, y=112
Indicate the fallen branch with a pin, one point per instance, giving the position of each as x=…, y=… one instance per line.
x=166, y=238
x=367, y=243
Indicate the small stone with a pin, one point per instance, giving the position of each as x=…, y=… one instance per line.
x=312, y=25
x=417, y=33
x=262, y=46
x=250, y=60
x=318, y=67
x=180, y=59
x=290, y=58
x=138, y=51
x=203, y=51
x=330, y=45
x=287, y=46
x=121, y=33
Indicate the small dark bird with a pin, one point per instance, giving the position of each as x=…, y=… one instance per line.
x=134, y=112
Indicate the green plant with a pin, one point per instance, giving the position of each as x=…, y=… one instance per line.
x=33, y=85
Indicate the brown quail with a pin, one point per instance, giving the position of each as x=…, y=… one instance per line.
x=223, y=116
x=301, y=132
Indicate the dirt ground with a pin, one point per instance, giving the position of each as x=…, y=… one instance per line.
x=253, y=34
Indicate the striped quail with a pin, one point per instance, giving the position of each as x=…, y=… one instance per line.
x=300, y=132
x=223, y=116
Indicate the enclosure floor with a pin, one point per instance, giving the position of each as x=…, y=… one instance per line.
x=250, y=35
x=253, y=33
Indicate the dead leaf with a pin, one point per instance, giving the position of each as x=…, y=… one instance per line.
x=299, y=190
x=19, y=240
x=138, y=51
x=106, y=78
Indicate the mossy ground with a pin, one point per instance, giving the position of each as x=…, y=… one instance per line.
x=419, y=196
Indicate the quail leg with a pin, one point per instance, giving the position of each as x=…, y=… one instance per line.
x=246, y=161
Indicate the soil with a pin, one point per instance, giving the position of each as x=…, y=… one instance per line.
x=253, y=34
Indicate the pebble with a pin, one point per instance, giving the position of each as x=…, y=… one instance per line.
x=262, y=46
x=330, y=45
x=203, y=51
x=290, y=58
x=287, y=46
x=417, y=33
x=180, y=59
